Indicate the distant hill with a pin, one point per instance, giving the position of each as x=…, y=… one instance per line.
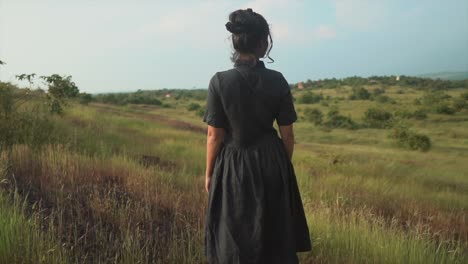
x=453, y=76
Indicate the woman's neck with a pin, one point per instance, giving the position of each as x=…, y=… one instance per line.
x=247, y=56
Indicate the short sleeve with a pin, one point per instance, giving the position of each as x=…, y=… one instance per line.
x=287, y=113
x=214, y=113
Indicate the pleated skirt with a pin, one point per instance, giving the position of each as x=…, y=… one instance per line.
x=255, y=213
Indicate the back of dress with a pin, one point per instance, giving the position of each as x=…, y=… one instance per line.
x=255, y=212
x=246, y=101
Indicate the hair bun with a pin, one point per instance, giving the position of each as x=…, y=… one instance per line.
x=235, y=28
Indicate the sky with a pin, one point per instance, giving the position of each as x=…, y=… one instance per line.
x=120, y=46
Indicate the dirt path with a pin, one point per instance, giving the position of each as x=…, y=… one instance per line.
x=152, y=117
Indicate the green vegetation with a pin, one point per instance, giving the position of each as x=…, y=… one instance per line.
x=310, y=98
x=377, y=118
x=410, y=139
x=123, y=182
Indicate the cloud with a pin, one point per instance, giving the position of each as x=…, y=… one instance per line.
x=363, y=15
x=265, y=6
x=325, y=32
x=190, y=19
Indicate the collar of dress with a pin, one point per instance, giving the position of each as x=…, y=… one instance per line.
x=240, y=63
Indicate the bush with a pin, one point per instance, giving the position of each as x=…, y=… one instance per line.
x=464, y=95
x=459, y=104
x=384, y=99
x=193, y=106
x=378, y=91
x=201, y=112
x=419, y=114
x=419, y=141
x=400, y=91
x=377, y=118
x=335, y=120
x=432, y=98
x=314, y=115
x=403, y=114
x=85, y=98
x=444, y=108
x=28, y=126
x=340, y=121
x=359, y=94
x=310, y=98
x=409, y=139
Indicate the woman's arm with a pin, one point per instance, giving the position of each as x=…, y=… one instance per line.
x=214, y=140
x=287, y=135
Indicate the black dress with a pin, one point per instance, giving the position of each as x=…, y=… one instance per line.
x=255, y=212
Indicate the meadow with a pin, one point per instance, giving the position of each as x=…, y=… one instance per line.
x=125, y=183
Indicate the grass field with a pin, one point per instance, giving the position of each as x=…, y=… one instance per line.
x=127, y=186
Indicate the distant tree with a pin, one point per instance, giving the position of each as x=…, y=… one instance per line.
x=85, y=98
x=2, y=62
x=28, y=77
x=61, y=86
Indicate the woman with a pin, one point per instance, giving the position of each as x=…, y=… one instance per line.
x=255, y=212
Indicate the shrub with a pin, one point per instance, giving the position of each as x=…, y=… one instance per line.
x=403, y=114
x=201, y=112
x=432, y=98
x=459, y=104
x=419, y=114
x=419, y=141
x=377, y=118
x=340, y=121
x=335, y=120
x=85, y=98
x=400, y=91
x=310, y=98
x=359, y=94
x=378, y=91
x=193, y=106
x=314, y=115
x=464, y=95
x=28, y=126
x=383, y=99
x=409, y=139
x=444, y=108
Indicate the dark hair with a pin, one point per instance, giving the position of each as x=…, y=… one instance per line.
x=248, y=28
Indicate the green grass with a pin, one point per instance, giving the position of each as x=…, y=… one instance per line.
x=21, y=237
x=366, y=200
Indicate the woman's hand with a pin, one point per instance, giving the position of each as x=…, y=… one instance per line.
x=214, y=140
x=287, y=136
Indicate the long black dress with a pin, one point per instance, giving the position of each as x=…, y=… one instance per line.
x=255, y=212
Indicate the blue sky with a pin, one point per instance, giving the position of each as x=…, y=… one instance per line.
x=112, y=46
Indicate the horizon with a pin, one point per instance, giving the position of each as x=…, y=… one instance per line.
x=124, y=47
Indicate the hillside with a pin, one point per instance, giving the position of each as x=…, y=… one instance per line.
x=452, y=76
x=121, y=178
